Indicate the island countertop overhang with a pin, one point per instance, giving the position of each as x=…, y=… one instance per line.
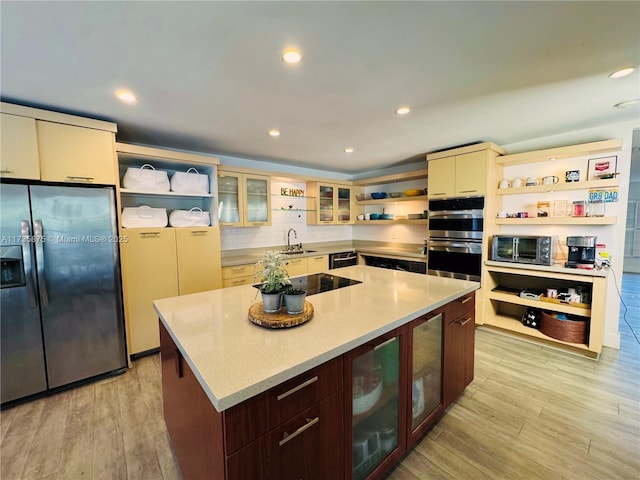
x=234, y=360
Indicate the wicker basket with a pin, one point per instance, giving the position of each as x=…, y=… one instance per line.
x=572, y=330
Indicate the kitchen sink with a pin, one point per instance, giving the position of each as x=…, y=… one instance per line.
x=295, y=252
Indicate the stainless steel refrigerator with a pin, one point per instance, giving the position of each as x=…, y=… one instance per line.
x=60, y=303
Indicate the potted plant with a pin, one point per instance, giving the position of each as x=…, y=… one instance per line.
x=294, y=300
x=273, y=280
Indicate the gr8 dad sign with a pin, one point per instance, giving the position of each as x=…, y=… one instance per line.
x=603, y=195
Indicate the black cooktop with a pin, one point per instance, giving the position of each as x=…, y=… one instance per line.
x=321, y=282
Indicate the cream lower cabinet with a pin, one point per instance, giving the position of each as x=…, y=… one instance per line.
x=19, y=148
x=164, y=262
x=235, y=275
x=198, y=252
x=317, y=264
x=296, y=266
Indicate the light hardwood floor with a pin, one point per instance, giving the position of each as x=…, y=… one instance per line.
x=530, y=413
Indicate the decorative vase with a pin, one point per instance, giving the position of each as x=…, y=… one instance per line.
x=271, y=302
x=294, y=303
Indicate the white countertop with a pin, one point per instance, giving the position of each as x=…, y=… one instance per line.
x=234, y=359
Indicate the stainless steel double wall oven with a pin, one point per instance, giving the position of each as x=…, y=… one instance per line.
x=455, y=237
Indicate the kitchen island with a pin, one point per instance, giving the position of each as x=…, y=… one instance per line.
x=220, y=370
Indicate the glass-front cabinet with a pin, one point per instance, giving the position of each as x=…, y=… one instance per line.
x=329, y=204
x=425, y=340
x=377, y=432
x=244, y=200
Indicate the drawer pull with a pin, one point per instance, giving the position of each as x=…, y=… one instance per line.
x=310, y=423
x=318, y=258
x=238, y=269
x=84, y=179
x=198, y=232
x=465, y=300
x=6, y=170
x=299, y=387
x=463, y=323
x=149, y=234
x=384, y=344
x=237, y=282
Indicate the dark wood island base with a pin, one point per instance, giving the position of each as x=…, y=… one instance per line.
x=304, y=428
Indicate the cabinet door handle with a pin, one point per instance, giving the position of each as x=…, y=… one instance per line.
x=299, y=387
x=463, y=323
x=310, y=423
x=149, y=234
x=179, y=370
x=198, y=232
x=468, y=191
x=6, y=170
x=384, y=344
x=318, y=258
x=84, y=179
x=465, y=300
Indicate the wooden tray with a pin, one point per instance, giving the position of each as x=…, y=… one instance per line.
x=280, y=319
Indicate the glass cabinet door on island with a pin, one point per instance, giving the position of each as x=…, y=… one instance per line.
x=376, y=429
x=426, y=370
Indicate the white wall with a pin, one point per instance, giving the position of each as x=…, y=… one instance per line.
x=612, y=235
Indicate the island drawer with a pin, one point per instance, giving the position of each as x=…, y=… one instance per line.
x=462, y=305
x=250, y=419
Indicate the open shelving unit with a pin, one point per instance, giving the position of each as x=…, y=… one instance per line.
x=557, y=221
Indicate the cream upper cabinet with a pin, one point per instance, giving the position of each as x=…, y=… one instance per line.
x=458, y=176
x=76, y=154
x=329, y=204
x=19, y=148
x=244, y=199
x=149, y=267
x=198, y=252
x=441, y=181
x=471, y=174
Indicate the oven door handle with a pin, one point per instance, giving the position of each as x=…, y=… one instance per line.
x=456, y=214
x=453, y=247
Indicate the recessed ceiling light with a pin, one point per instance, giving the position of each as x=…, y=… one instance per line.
x=291, y=55
x=623, y=72
x=402, y=110
x=126, y=96
x=274, y=132
x=348, y=150
x=628, y=103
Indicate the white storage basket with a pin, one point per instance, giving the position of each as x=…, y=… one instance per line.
x=189, y=218
x=190, y=181
x=146, y=179
x=144, y=216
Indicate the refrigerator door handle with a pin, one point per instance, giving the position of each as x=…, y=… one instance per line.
x=42, y=277
x=27, y=260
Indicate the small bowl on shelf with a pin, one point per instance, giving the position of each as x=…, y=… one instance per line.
x=396, y=194
x=386, y=216
x=378, y=195
x=362, y=196
x=413, y=192
x=374, y=216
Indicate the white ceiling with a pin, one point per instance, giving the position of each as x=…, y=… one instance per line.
x=209, y=78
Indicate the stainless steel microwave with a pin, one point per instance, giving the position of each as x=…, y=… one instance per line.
x=536, y=250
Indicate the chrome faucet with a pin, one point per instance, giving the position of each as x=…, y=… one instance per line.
x=295, y=235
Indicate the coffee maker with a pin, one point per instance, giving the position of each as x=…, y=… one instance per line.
x=582, y=252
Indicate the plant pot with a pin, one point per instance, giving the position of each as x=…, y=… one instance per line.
x=294, y=303
x=271, y=302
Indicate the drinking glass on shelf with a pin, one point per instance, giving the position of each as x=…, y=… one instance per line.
x=560, y=208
